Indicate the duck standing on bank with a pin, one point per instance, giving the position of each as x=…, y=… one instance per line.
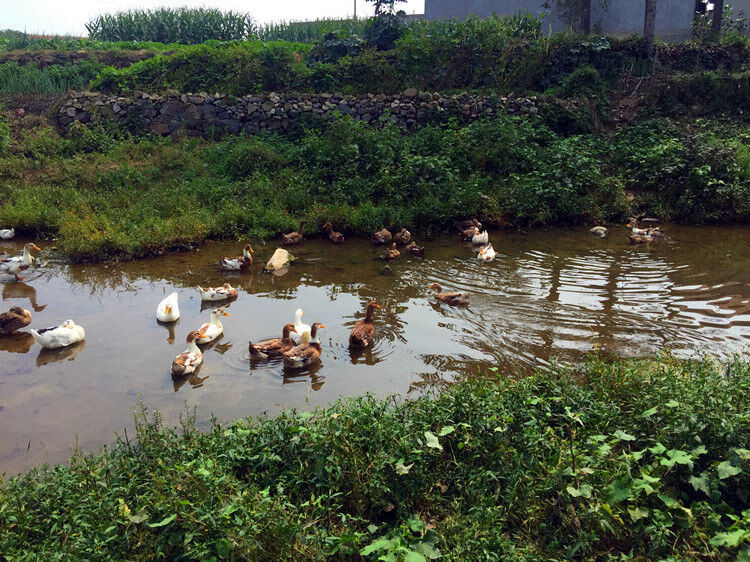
x=455, y=298
x=63, y=335
x=293, y=237
x=17, y=264
x=274, y=347
x=7, y=233
x=168, y=309
x=382, y=237
x=362, y=332
x=188, y=361
x=218, y=293
x=241, y=263
x=307, y=353
x=213, y=328
x=15, y=319
x=333, y=236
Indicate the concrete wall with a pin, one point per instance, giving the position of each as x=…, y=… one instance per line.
x=673, y=17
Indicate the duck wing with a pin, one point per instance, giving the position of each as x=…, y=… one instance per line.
x=361, y=334
x=10, y=322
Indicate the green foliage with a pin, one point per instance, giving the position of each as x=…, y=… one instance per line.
x=5, y=139
x=171, y=25
x=53, y=79
x=645, y=459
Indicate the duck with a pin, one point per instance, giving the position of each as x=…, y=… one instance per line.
x=403, y=237
x=15, y=319
x=415, y=250
x=16, y=264
x=454, y=298
x=300, y=328
x=598, y=232
x=480, y=238
x=168, y=309
x=273, y=347
x=362, y=332
x=636, y=239
x=382, y=237
x=633, y=225
x=293, y=237
x=213, y=328
x=241, y=263
x=304, y=354
x=333, y=236
x=487, y=253
x=469, y=233
x=218, y=293
x=7, y=233
x=392, y=253
x=63, y=335
x=468, y=224
x=189, y=360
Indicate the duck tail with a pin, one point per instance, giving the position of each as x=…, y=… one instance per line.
x=255, y=352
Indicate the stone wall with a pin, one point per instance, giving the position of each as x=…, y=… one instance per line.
x=173, y=113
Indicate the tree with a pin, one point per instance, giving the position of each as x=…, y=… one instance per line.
x=649, y=26
x=585, y=16
x=716, y=19
x=384, y=6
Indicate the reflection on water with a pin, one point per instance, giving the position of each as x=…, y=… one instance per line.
x=547, y=294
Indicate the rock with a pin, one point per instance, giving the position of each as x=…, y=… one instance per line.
x=598, y=232
x=386, y=270
x=279, y=260
x=410, y=93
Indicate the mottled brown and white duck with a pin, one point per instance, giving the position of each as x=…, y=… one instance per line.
x=402, y=237
x=188, y=361
x=333, y=236
x=293, y=237
x=392, y=253
x=454, y=298
x=362, y=332
x=307, y=353
x=468, y=224
x=15, y=319
x=273, y=347
x=17, y=264
x=240, y=263
x=382, y=237
x=415, y=250
x=226, y=291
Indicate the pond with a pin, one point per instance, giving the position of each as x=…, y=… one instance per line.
x=549, y=294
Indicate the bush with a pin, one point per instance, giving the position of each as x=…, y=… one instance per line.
x=5, y=139
x=53, y=79
x=171, y=25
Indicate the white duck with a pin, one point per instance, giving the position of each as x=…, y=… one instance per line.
x=487, y=253
x=63, y=335
x=7, y=233
x=168, y=309
x=218, y=293
x=17, y=264
x=303, y=330
x=188, y=361
x=213, y=328
x=480, y=238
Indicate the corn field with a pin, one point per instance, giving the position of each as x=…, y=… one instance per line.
x=310, y=31
x=166, y=25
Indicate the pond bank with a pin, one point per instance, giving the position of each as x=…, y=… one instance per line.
x=643, y=458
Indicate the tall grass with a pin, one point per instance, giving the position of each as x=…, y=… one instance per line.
x=171, y=25
x=53, y=79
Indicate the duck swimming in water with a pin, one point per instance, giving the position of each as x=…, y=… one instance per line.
x=218, y=293
x=382, y=237
x=293, y=237
x=455, y=298
x=274, y=347
x=361, y=334
x=213, y=328
x=333, y=236
x=63, y=335
x=241, y=263
x=15, y=319
x=168, y=309
x=307, y=353
x=188, y=361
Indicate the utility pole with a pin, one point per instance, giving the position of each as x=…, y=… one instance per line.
x=716, y=19
x=585, y=19
x=355, y=9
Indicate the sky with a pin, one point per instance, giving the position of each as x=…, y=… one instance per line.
x=67, y=17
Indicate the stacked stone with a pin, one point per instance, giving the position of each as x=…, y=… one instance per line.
x=193, y=114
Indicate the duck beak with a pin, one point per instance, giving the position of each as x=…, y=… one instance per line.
x=376, y=306
x=629, y=224
x=37, y=248
x=321, y=325
x=168, y=309
x=227, y=315
x=293, y=329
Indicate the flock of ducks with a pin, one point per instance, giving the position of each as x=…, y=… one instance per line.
x=299, y=345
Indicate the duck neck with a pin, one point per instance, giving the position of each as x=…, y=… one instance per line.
x=285, y=333
x=193, y=347
x=26, y=259
x=368, y=316
x=215, y=321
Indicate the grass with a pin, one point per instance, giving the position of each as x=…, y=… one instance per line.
x=53, y=79
x=611, y=460
x=107, y=194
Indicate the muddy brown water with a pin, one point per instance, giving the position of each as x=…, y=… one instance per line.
x=549, y=294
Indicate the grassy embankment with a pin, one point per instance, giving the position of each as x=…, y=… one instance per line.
x=595, y=152
x=634, y=459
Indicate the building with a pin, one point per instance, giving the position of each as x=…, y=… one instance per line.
x=614, y=17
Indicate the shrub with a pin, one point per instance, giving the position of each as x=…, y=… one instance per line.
x=5, y=139
x=53, y=79
x=171, y=25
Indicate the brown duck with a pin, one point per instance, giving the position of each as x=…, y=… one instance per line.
x=273, y=347
x=392, y=253
x=382, y=237
x=363, y=330
x=454, y=298
x=333, y=236
x=240, y=263
x=468, y=224
x=293, y=237
x=15, y=319
x=415, y=250
x=304, y=354
x=403, y=237
x=469, y=233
